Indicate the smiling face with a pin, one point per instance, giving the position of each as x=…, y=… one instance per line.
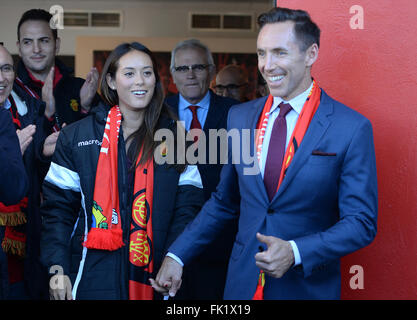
x=284, y=66
x=134, y=81
x=37, y=47
x=6, y=74
x=192, y=84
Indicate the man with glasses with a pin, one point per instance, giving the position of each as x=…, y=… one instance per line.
x=232, y=82
x=192, y=68
x=12, y=174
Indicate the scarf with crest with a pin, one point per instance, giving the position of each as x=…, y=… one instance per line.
x=106, y=230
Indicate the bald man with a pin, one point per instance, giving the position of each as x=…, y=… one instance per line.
x=21, y=274
x=232, y=82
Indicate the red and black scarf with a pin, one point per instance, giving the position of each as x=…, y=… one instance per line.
x=106, y=232
x=304, y=119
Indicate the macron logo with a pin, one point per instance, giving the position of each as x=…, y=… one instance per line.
x=88, y=142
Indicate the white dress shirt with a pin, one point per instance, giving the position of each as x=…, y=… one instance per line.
x=186, y=115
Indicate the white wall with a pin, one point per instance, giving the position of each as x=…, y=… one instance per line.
x=141, y=18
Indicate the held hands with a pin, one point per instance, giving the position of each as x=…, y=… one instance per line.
x=168, y=280
x=277, y=259
x=48, y=94
x=89, y=89
x=25, y=136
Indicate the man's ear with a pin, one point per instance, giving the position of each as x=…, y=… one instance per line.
x=18, y=47
x=312, y=54
x=110, y=82
x=57, y=45
x=212, y=71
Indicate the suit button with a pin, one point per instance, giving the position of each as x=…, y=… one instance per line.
x=270, y=211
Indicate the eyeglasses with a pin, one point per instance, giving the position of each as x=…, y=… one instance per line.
x=229, y=87
x=197, y=68
x=6, y=69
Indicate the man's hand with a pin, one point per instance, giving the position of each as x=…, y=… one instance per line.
x=89, y=89
x=48, y=94
x=168, y=279
x=277, y=259
x=61, y=292
x=50, y=143
x=25, y=136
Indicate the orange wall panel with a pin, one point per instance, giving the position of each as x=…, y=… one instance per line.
x=374, y=71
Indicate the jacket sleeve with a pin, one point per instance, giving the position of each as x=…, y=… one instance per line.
x=14, y=181
x=188, y=202
x=358, y=206
x=62, y=202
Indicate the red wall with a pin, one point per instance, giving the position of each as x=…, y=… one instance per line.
x=374, y=71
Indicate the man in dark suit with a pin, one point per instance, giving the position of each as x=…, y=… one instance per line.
x=192, y=69
x=12, y=172
x=303, y=208
x=26, y=277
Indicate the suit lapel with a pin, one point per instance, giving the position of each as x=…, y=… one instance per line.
x=215, y=114
x=252, y=120
x=174, y=102
x=315, y=131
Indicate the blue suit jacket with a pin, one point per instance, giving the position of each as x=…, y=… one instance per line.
x=327, y=204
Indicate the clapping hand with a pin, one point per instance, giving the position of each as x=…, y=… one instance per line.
x=89, y=89
x=50, y=143
x=25, y=136
x=48, y=94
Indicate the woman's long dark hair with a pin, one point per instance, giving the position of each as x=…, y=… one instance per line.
x=144, y=136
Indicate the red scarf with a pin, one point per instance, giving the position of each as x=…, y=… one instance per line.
x=106, y=231
x=14, y=241
x=304, y=119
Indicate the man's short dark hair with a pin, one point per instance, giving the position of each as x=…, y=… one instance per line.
x=306, y=30
x=37, y=15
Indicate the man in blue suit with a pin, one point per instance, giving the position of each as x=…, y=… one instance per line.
x=323, y=201
x=192, y=68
